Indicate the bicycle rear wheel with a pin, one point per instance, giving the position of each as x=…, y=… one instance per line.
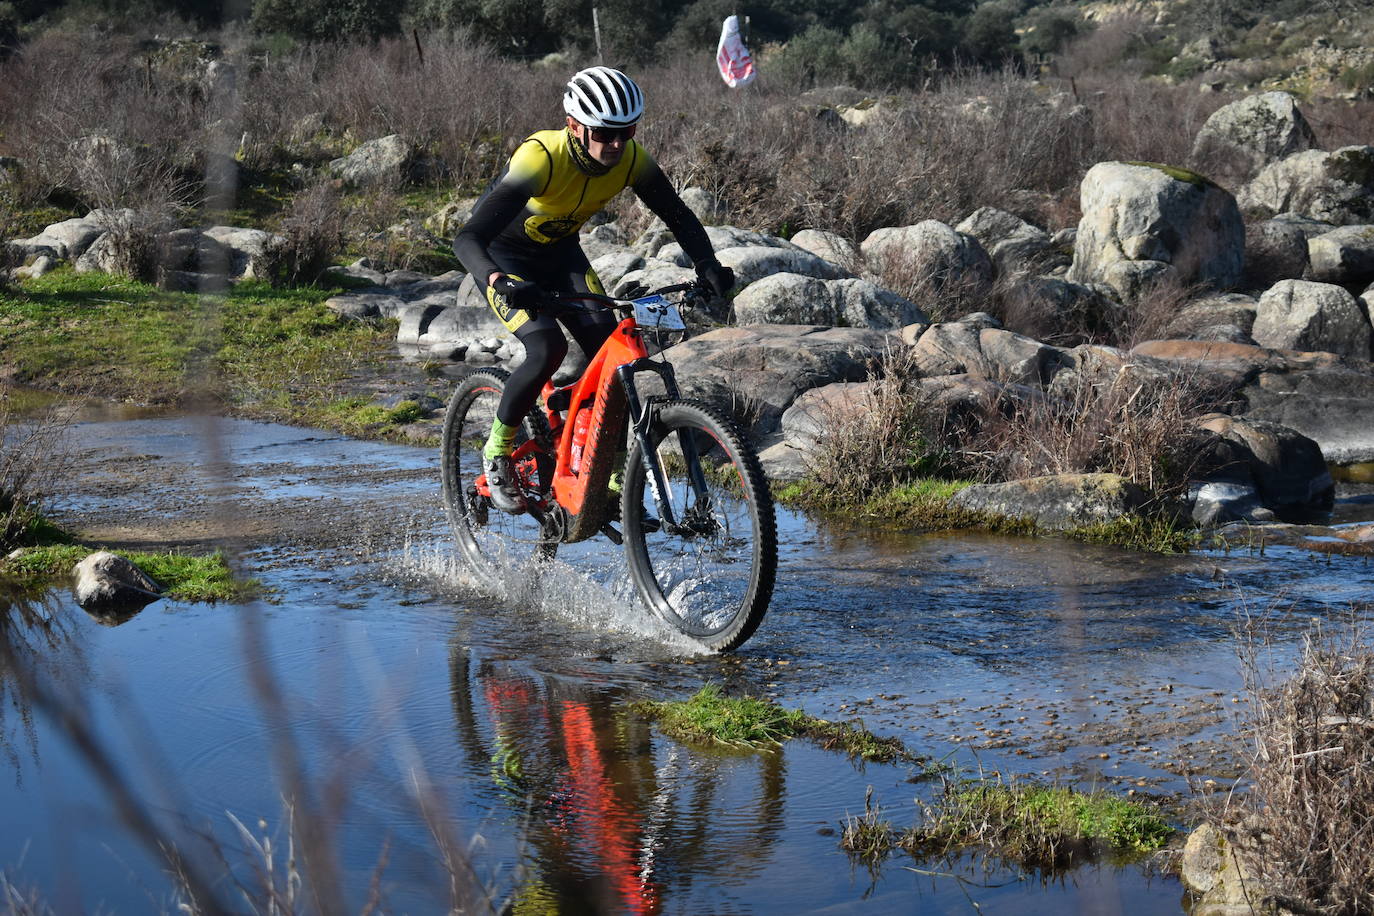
x=711, y=573
x=492, y=541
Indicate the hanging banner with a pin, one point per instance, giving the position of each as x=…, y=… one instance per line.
x=736, y=66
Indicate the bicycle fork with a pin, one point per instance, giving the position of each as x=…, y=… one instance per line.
x=641, y=414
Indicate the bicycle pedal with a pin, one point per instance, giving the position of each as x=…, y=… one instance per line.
x=616, y=537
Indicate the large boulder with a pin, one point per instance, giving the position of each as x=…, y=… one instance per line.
x=68, y=239
x=385, y=162
x=831, y=246
x=759, y=370
x=1059, y=502
x=786, y=298
x=1335, y=187
x=929, y=252
x=1303, y=315
x=398, y=291
x=754, y=263
x=1276, y=249
x=1328, y=398
x=1227, y=317
x=1288, y=468
x=1254, y=132
x=1344, y=256
x=1015, y=246
x=252, y=252
x=1140, y=212
x=980, y=350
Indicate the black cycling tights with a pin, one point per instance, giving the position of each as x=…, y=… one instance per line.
x=545, y=348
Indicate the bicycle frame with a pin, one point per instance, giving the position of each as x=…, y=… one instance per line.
x=608, y=383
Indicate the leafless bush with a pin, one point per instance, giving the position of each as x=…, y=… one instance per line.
x=313, y=235
x=944, y=294
x=1312, y=769
x=886, y=434
x=1147, y=315
x=1135, y=425
x=31, y=460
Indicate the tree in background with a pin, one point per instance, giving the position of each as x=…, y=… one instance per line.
x=327, y=20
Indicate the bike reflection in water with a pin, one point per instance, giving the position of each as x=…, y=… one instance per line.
x=621, y=818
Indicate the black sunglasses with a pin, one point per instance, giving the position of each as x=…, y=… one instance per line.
x=611, y=134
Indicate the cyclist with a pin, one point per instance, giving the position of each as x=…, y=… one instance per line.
x=521, y=241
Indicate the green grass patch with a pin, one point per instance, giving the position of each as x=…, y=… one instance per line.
x=1156, y=534
x=1036, y=825
x=359, y=416
x=183, y=577
x=275, y=353
x=710, y=717
x=924, y=505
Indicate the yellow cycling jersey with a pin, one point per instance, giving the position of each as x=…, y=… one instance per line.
x=562, y=196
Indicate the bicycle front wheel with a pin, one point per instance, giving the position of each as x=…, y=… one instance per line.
x=709, y=572
x=492, y=541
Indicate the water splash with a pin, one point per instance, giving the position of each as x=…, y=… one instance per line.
x=591, y=591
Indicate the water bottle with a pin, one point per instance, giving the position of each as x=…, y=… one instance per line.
x=579, y=439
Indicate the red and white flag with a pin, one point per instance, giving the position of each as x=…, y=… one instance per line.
x=736, y=66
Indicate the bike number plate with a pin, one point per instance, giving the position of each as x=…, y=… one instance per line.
x=657, y=312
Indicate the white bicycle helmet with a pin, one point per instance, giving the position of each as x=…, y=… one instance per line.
x=602, y=97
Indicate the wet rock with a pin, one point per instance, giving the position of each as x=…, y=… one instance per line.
x=1329, y=399
x=1288, y=469
x=111, y=587
x=1059, y=502
x=1221, y=870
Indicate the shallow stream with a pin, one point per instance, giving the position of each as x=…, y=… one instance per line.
x=427, y=730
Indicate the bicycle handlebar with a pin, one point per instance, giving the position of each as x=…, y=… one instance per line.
x=563, y=299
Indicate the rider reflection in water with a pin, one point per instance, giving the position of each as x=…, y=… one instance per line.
x=521, y=242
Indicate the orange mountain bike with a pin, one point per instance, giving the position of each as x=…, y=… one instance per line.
x=699, y=531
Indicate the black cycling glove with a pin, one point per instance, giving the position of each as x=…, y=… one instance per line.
x=520, y=294
x=718, y=278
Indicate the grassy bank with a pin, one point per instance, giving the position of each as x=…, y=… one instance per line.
x=183, y=577
x=261, y=351
x=923, y=505
x=1030, y=825
x=710, y=717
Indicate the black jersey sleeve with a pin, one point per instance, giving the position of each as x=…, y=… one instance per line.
x=658, y=195
x=495, y=210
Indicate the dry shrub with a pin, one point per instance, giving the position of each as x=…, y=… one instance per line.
x=1142, y=427
x=313, y=235
x=1147, y=315
x=31, y=460
x=889, y=434
x=1312, y=769
x=942, y=293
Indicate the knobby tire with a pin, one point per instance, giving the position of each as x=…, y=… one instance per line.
x=712, y=581
x=493, y=542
